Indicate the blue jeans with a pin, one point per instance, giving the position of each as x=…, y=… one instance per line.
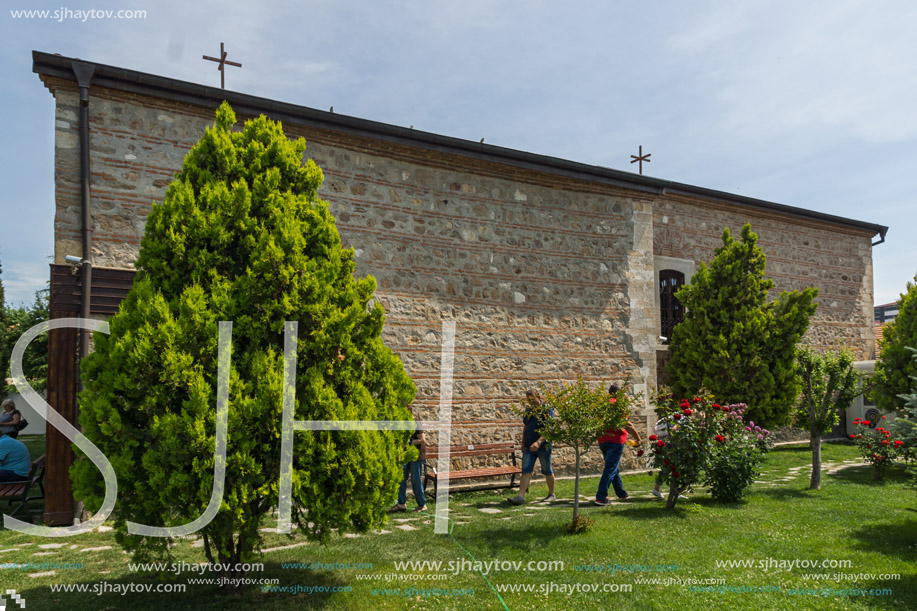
x=612, y=453
x=544, y=457
x=415, y=471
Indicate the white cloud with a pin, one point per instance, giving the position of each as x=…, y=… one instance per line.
x=22, y=278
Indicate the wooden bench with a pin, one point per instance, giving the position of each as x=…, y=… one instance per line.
x=466, y=451
x=13, y=492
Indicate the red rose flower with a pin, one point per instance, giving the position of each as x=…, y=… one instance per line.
x=677, y=416
x=666, y=461
x=660, y=444
x=675, y=473
x=653, y=438
x=720, y=438
x=687, y=412
x=696, y=399
x=613, y=400
x=868, y=446
x=639, y=452
x=885, y=442
x=876, y=456
x=899, y=443
x=716, y=406
x=852, y=436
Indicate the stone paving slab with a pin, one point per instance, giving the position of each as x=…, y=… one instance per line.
x=45, y=574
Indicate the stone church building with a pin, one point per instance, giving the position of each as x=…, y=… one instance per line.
x=550, y=268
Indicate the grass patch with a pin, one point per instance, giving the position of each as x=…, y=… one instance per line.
x=873, y=526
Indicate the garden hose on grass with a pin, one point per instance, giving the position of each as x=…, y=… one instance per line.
x=451, y=528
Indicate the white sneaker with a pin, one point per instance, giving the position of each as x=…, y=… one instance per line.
x=549, y=499
x=656, y=493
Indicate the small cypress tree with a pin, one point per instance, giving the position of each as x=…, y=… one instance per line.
x=242, y=237
x=895, y=367
x=733, y=342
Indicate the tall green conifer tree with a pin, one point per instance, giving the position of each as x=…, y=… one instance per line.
x=733, y=342
x=242, y=237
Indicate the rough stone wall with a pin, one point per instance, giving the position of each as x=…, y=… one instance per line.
x=800, y=254
x=546, y=278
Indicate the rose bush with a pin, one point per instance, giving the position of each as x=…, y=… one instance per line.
x=705, y=442
x=736, y=454
x=877, y=446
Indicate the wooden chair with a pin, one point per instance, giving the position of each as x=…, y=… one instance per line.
x=505, y=449
x=19, y=492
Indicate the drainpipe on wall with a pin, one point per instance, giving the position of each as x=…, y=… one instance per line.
x=83, y=73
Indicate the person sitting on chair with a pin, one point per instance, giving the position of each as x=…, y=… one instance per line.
x=15, y=461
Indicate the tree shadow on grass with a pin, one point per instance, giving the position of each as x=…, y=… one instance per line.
x=498, y=538
x=656, y=510
x=103, y=592
x=863, y=474
x=898, y=539
x=801, y=448
x=902, y=590
x=785, y=493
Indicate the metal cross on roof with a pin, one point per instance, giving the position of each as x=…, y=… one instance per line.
x=223, y=63
x=640, y=158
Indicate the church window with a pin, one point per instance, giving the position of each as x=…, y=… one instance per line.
x=671, y=311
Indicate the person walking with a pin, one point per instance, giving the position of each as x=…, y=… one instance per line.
x=414, y=470
x=534, y=446
x=611, y=444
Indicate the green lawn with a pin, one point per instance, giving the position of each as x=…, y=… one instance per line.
x=872, y=526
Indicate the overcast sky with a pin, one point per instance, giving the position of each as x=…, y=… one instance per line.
x=809, y=104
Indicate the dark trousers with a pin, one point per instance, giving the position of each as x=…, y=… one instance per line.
x=12, y=476
x=612, y=453
x=415, y=471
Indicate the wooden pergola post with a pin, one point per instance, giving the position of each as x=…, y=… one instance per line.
x=109, y=288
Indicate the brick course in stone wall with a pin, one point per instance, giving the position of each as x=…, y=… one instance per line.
x=547, y=277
